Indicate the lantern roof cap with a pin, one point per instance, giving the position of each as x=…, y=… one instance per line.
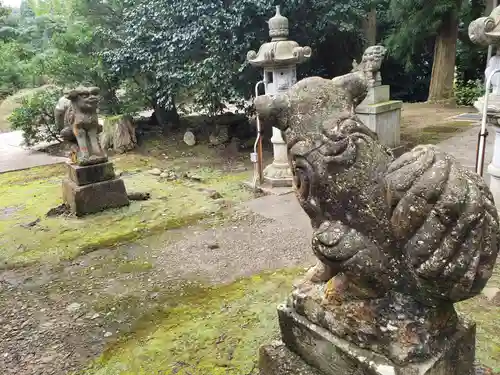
x=278, y=26
x=280, y=51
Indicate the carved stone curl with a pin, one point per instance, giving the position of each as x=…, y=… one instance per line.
x=81, y=125
x=486, y=30
x=398, y=240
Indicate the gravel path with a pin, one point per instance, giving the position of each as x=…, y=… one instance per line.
x=13, y=156
x=56, y=319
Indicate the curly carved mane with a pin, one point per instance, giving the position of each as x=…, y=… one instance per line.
x=446, y=217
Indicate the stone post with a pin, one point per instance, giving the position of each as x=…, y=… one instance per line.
x=485, y=31
x=494, y=166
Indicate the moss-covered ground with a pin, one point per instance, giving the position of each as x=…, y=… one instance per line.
x=218, y=331
x=210, y=331
x=26, y=197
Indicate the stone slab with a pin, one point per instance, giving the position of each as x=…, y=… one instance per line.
x=277, y=359
x=377, y=94
x=473, y=117
x=89, y=199
x=90, y=174
x=334, y=356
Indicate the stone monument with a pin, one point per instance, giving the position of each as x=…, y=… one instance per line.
x=279, y=59
x=377, y=111
x=485, y=31
x=91, y=185
x=398, y=242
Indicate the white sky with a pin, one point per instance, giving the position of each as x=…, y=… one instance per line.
x=11, y=3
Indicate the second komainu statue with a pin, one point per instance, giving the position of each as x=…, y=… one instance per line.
x=398, y=242
x=76, y=116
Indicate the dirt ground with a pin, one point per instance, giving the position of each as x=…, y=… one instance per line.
x=421, y=115
x=430, y=123
x=56, y=318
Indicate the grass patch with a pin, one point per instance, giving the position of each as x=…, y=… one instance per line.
x=432, y=134
x=134, y=266
x=487, y=317
x=28, y=195
x=209, y=331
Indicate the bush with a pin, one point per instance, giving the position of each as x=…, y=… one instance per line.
x=466, y=93
x=36, y=117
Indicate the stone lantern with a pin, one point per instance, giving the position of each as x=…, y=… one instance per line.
x=279, y=59
x=485, y=31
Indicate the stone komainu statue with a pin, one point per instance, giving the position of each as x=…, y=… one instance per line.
x=370, y=64
x=420, y=222
x=398, y=240
x=76, y=116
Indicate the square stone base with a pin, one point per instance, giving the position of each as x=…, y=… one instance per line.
x=384, y=119
x=92, y=198
x=321, y=351
x=84, y=175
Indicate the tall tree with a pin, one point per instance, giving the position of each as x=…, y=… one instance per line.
x=419, y=24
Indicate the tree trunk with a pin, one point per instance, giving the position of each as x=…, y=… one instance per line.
x=167, y=118
x=118, y=133
x=443, y=68
x=161, y=115
x=490, y=5
x=370, y=28
x=110, y=102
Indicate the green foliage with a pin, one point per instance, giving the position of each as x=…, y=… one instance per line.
x=411, y=30
x=35, y=117
x=466, y=93
x=415, y=25
x=173, y=47
x=12, y=68
x=177, y=54
x=471, y=58
x=131, y=98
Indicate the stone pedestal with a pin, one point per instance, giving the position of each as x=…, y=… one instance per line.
x=382, y=115
x=93, y=188
x=278, y=174
x=309, y=349
x=493, y=123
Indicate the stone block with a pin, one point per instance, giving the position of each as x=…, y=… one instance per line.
x=92, y=198
x=277, y=359
x=377, y=94
x=85, y=175
x=332, y=355
x=383, y=119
